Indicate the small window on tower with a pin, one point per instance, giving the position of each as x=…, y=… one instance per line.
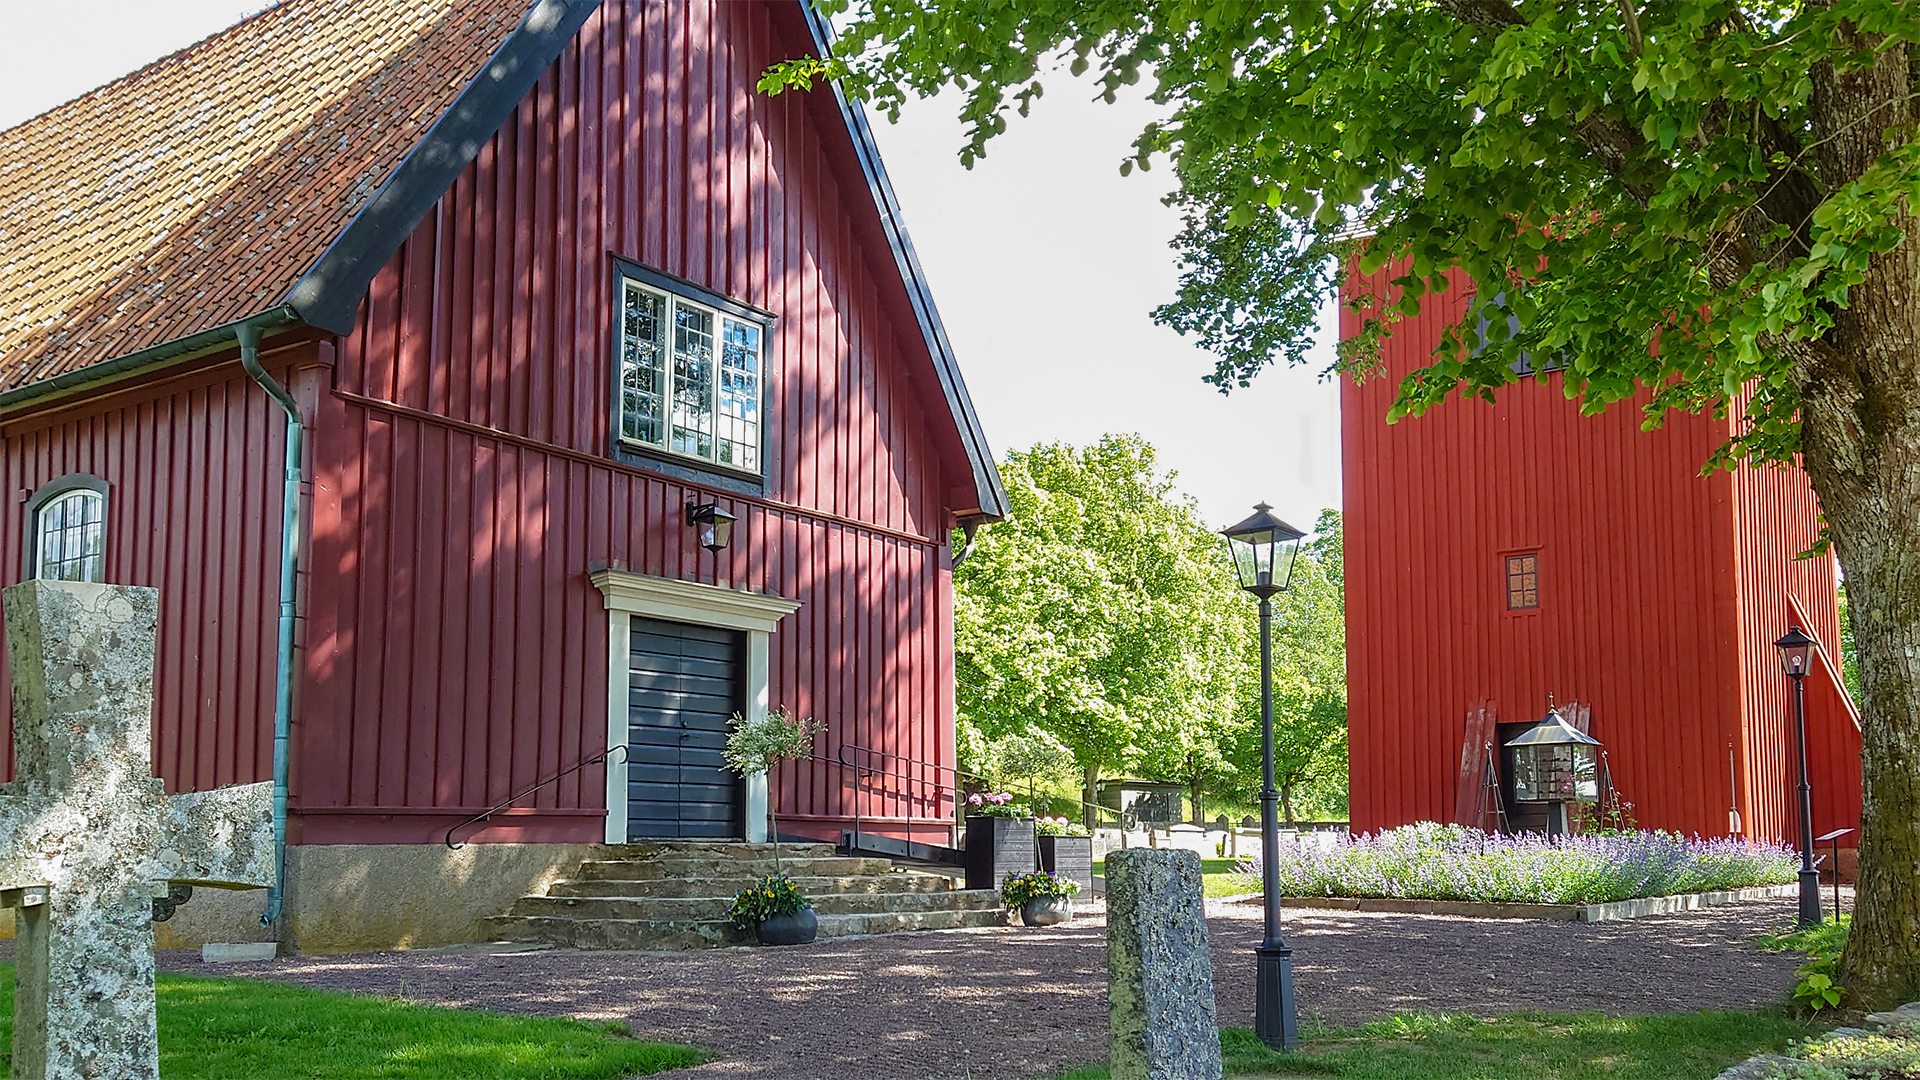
x=1523, y=581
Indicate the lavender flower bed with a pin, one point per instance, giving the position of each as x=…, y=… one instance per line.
x=1448, y=862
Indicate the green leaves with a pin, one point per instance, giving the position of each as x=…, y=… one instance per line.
x=1102, y=614
x=1816, y=989
x=1660, y=182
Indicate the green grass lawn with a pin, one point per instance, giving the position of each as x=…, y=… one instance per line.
x=244, y=1029
x=1532, y=1046
x=1219, y=876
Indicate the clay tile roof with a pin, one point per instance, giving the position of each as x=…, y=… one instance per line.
x=198, y=189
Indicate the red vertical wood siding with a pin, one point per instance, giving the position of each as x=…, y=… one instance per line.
x=1777, y=517
x=463, y=483
x=192, y=465
x=1656, y=588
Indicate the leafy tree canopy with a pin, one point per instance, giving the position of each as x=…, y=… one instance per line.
x=1708, y=202
x=1651, y=170
x=1101, y=613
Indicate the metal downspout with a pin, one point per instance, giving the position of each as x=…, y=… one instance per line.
x=248, y=334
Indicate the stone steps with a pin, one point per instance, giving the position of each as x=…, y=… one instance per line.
x=660, y=935
x=682, y=908
x=717, y=849
x=675, y=896
x=675, y=867
x=896, y=882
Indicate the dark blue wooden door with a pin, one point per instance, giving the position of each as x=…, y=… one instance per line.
x=684, y=684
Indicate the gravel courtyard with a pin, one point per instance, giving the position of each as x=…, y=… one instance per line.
x=1010, y=1003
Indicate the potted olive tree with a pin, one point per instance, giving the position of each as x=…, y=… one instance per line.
x=775, y=908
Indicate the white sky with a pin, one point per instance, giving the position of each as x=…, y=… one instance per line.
x=1043, y=260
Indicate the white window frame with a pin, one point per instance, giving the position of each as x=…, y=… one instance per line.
x=52, y=494
x=672, y=300
x=628, y=594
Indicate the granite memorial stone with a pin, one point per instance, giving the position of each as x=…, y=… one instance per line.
x=1159, y=973
x=88, y=839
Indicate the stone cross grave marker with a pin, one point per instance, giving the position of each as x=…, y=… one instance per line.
x=1160, y=1012
x=87, y=837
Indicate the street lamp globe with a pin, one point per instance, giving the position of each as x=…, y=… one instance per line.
x=1263, y=549
x=1796, y=652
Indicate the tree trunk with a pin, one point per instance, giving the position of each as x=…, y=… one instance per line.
x=1286, y=803
x=1089, y=792
x=1860, y=443
x=1193, y=793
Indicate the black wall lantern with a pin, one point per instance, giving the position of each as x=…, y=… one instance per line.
x=1555, y=763
x=711, y=524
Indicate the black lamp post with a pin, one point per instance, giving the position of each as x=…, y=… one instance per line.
x=1796, y=655
x=1264, y=549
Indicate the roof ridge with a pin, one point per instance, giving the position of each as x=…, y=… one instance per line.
x=148, y=66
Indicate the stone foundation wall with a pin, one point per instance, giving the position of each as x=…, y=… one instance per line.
x=359, y=897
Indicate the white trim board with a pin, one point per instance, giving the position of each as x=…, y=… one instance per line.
x=628, y=594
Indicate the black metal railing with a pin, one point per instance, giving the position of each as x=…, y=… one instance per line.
x=870, y=763
x=865, y=769
x=604, y=755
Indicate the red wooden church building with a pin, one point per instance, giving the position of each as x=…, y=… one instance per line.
x=537, y=278
x=1504, y=556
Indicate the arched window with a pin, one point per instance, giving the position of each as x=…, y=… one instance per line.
x=68, y=518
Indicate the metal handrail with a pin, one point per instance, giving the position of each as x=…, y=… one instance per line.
x=867, y=771
x=603, y=755
x=955, y=770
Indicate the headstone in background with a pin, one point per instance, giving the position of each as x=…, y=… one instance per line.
x=1159, y=973
x=88, y=839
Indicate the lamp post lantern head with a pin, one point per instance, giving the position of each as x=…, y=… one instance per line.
x=1263, y=549
x=711, y=524
x=1796, y=652
x=1553, y=761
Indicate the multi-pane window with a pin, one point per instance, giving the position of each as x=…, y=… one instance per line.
x=1526, y=364
x=70, y=537
x=690, y=378
x=1523, y=581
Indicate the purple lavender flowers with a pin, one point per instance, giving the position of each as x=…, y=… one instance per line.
x=1449, y=862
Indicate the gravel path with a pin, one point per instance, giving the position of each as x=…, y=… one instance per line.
x=1009, y=1003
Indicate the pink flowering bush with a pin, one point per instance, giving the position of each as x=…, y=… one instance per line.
x=1059, y=826
x=994, y=804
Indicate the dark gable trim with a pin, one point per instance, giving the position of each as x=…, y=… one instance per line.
x=328, y=295
x=986, y=476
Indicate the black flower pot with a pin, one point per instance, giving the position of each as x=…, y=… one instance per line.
x=1046, y=910
x=1069, y=858
x=998, y=847
x=798, y=928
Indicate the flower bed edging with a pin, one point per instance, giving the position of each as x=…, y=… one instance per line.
x=1609, y=912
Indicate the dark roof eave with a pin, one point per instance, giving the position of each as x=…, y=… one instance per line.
x=199, y=343
x=328, y=295
x=986, y=475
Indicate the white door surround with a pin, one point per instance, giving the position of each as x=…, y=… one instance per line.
x=628, y=594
